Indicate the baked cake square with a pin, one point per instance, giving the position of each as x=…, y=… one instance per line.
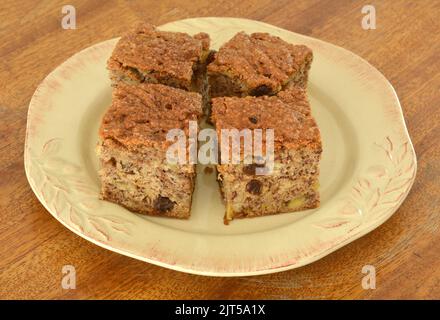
x=293, y=183
x=257, y=64
x=147, y=54
x=135, y=172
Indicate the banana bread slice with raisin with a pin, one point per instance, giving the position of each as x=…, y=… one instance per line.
x=257, y=64
x=135, y=172
x=293, y=182
x=176, y=59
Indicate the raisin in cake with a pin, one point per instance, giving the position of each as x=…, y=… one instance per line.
x=293, y=183
x=257, y=64
x=134, y=171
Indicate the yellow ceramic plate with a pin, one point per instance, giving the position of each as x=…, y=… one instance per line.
x=368, y=166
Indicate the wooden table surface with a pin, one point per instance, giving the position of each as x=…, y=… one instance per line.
x=405, y=251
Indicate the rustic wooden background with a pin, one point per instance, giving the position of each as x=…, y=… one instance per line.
x=405, y=250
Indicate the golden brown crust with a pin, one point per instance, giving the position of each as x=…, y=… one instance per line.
x=141, y=115
x=169, y=54
x=260, y=59
x=288, y=114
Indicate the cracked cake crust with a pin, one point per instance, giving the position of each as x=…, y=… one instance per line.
x=258, y=64
x=135, y=172
x=146, y=54
x=288, y=114
x=258, y=82
x=293, y=184
x=141, y=115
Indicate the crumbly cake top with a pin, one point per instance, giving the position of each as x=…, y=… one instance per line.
x=288, y=114
x=260, y=59
x=150, y=50
x=141, y=115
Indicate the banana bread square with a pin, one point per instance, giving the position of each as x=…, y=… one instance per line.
x=135, y=172
x=293, y=183
x=257, y=64
x=176, y=59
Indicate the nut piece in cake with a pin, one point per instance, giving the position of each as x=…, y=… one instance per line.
x=293, y=183
x=134, y=171
x=257, y=64
x=146, y=54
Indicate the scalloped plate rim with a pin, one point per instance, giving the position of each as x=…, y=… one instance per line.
x=267, y=270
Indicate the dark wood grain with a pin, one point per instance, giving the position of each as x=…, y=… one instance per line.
x=405, y=250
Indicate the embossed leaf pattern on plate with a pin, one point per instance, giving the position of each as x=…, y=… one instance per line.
x=67, y=191
x=378, y=190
